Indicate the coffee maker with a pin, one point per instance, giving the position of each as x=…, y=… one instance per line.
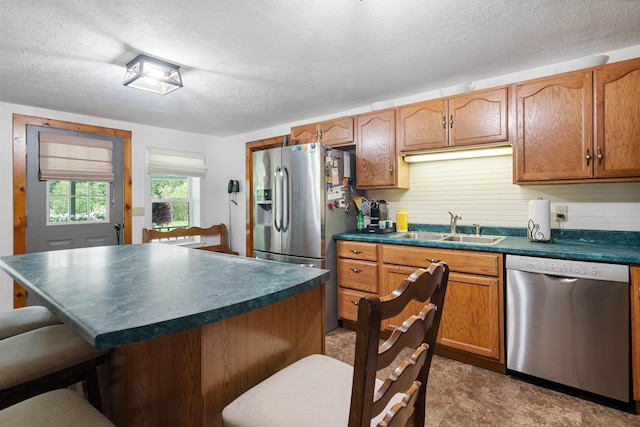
x=379, y=212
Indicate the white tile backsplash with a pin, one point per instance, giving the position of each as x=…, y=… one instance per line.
x=482, y=191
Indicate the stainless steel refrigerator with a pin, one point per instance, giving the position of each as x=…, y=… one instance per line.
x=302, y=198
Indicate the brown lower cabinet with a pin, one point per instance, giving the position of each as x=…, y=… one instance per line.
x=472, y=327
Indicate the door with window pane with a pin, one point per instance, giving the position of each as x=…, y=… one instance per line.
x=65, y=214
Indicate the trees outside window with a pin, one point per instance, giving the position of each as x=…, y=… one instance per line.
x=77, y=201
x=171, y=202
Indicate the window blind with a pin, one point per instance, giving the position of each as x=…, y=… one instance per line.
x=74, y=158
x=163, y=161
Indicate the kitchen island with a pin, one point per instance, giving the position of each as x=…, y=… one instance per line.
x=190, y=330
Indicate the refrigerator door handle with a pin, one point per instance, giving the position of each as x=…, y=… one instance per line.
x=277, y=199
x=285, y=200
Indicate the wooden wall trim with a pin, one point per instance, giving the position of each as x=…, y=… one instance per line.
x=20, y=123
x=262, y=144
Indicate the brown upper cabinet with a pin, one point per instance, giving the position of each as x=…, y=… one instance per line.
x=479, y=117
x=336, y=132
x=378, y=164
x=556, y=118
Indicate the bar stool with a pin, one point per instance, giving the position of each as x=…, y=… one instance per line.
x=45, y=359
x=59, y=408
x=25, y=319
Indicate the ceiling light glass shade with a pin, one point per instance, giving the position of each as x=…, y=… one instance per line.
x=152, y=75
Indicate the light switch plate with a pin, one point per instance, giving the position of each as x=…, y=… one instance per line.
x=137, y=211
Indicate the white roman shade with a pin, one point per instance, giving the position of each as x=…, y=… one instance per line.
x=162, y=161
x=75, y=158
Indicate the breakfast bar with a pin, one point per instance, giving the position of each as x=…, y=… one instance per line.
x=188, y=330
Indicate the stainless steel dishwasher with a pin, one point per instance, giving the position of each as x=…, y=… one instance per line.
x=568, y=322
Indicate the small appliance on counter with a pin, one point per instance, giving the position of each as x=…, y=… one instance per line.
x=380, y=222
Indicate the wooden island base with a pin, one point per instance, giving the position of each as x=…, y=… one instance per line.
x=187, y=378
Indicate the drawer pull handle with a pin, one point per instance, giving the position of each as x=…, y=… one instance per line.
x=355, y=302
x=356, y=270
x=432, y=259
x=355, y=251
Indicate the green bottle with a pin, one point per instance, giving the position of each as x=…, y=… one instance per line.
x=360, y=223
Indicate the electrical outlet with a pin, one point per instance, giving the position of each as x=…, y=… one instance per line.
x=561, y=213
x=137, y=211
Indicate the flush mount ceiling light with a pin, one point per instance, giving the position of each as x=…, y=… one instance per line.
x=152, y=75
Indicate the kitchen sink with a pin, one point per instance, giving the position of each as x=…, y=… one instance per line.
x=453, y=238
x=483, y=240
x=419, y=236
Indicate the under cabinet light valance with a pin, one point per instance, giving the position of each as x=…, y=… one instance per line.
x=459, y=154
x=74, y=158
x=163, y=161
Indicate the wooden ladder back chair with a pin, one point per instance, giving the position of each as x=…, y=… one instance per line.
x=214, y=230
x=418, y=332
x=320, y=391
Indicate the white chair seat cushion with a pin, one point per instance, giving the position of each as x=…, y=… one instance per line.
x=40, y=352
x=312, y=392
x=25, y=319
x=59, y=408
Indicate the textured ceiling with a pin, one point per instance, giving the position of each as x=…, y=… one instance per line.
x=250, y=65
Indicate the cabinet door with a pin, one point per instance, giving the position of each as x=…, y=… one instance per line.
x=392, y=276
x=304, y=134
x=470, y=316
x=479, y=118
x=554, y=128
x=337, y=132
x=422, y=126
x=376, y=158
x=617, y=136
x=348, y=303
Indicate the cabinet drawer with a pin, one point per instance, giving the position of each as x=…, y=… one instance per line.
x=357, y=250
x=484, y=263
x=361, y=275
x=348, y=303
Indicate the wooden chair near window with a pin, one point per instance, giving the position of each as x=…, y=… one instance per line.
x=215, y=230
x=321, y=391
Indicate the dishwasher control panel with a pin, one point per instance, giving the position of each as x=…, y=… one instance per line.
x=569, y=268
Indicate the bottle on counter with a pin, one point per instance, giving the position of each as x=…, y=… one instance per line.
x=402, y=220
x=360, y=223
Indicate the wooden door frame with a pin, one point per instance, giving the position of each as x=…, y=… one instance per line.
x=251, y=147
x=20, y=123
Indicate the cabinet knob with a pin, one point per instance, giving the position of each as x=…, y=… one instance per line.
x=354, y=302
x=451, y=122
x=355, y=251
x=600, y=156
x=356, y=270
x=444, y=122
x=588, y=156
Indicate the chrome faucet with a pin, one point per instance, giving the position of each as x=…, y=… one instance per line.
x=477, y=226
x=454, y=222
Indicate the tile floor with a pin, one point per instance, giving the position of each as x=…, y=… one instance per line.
x=460, y=395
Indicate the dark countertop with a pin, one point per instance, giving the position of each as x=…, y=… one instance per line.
x=116, y=295
x=614, y=247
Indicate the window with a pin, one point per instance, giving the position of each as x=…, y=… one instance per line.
x=172, y=202
x=175, y=188
x=72, y=202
